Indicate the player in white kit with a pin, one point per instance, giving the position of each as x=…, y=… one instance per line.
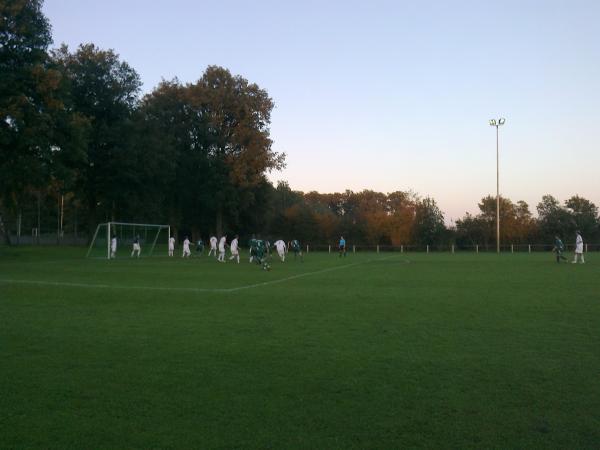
x=213, y=246
x=281, y=247
x=235, y=249
x=171, y=245
x=113, y=246
x=186, y=248
x=222, y=245
x=578, y=249
x=136, y=247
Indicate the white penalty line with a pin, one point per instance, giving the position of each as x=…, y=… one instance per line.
x=191, y=289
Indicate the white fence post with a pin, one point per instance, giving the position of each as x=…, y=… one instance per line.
x=377, y=248
x=529, y=248
x=477, y=249
x=586, y=248
x=452, y=248
x=402, y=249
x=330, y=248
x=427, y=248
x=512, y=248
x=354, y=249
x=306, y=248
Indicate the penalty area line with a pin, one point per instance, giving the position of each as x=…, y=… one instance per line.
x=186, y=289
x=108, y=286
x=306, y=274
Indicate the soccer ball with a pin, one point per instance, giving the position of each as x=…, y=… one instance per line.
x=266, y=267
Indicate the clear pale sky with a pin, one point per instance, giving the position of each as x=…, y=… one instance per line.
x=388, y=95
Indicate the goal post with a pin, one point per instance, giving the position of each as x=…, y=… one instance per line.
x=153, y=239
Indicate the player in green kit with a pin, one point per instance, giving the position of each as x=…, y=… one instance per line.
x=558, y=249
x=252, y=247
x=294, y=246
x=259, y=253
x=199, y=247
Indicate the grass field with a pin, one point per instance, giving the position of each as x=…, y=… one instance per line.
x=367, y=352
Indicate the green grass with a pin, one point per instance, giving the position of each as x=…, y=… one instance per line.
x=416, y=350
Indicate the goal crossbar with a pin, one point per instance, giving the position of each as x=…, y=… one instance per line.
x=113, y=225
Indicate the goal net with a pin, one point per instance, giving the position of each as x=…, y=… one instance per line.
x=153, y=239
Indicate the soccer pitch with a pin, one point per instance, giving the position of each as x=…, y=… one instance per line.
x=368, y=351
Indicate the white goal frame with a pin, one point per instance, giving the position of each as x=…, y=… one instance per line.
x=108, y=225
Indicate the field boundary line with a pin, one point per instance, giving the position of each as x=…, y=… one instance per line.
x=189, y=289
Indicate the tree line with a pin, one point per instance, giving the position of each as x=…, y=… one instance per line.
x=405, y=218
x=75, y=130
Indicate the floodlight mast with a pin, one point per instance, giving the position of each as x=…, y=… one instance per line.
x=497, y=123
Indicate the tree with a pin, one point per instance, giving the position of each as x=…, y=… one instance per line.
x=401, y=207
x=25, y=88
x=216, y=135
x=516, y=223
x=429, y=228
x=553, y=219
x=584, y=216
x=525, y=224
x=471, y=230
x=237, y=114
x=41, y=138
x=104, y=90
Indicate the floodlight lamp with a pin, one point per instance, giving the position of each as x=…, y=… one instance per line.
x=493, y=122
x=501, y=121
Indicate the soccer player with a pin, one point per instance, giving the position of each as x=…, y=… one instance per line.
x=558, y=249
x=235, y=250
x=222, y=245
x=136, y=247
x=199, y=246
x=171, y=245
x=578, y=249
x=259, y=253
x=342, y=247
x=280, y=246
x=186, y=248
x=252, y=247
x=213, y=246
x=296, y=248
x=113, y=246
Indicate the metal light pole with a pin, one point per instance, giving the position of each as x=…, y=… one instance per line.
x=497, y=124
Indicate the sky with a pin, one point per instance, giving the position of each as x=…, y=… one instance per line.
x=388, y=95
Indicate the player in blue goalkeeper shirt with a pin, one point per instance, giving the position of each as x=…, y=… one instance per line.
x=342, y=247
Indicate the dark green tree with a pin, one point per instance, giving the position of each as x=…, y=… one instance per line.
x=104, y=91
x=215, y=135
x=584, y=216
x=553, y=219
x=471, y=230
x=25, y=88
x=429, y=228
x=41, y=137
